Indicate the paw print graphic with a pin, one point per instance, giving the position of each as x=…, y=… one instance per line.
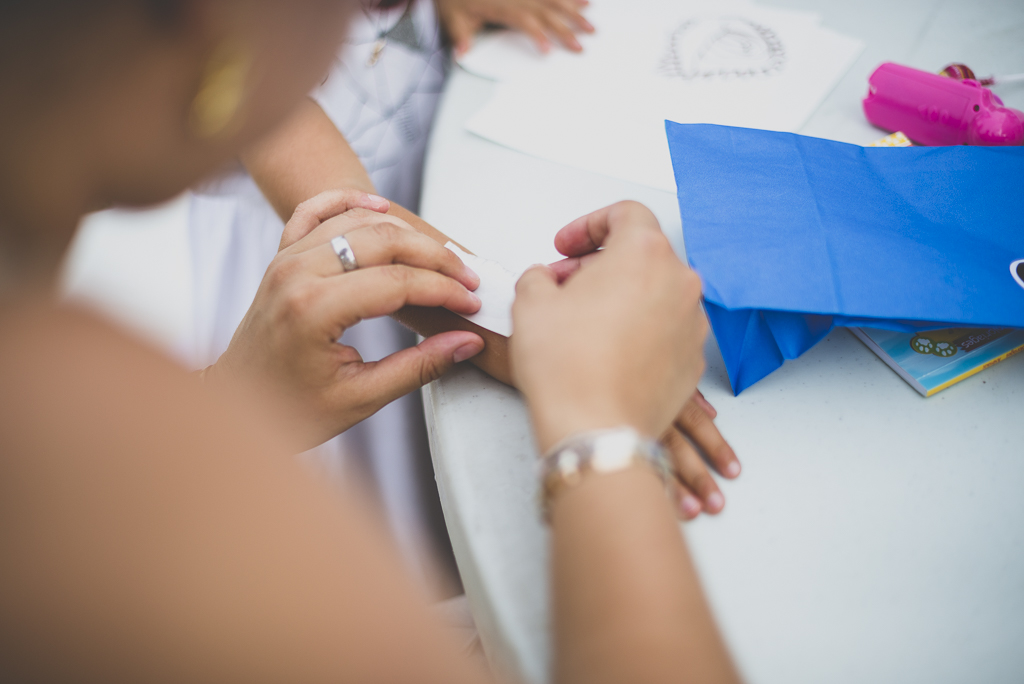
x=942, y=343
x=922, y=345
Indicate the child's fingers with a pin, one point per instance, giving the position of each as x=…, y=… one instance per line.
x=571, y=9
x=705, y=404
x=692, y=473
x=556, y=26
x=461, y=29
x=695, y=422
x=688, y=505
x=529, y=24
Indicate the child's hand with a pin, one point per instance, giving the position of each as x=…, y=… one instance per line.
x=536, y=18
x=694, y=432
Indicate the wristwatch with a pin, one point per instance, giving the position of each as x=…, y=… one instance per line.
x=598, y=451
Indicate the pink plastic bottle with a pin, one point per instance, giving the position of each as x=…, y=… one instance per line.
x=937, y=110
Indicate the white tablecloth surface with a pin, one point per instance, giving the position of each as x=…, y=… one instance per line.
x=874, y=535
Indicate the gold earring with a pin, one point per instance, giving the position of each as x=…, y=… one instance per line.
x=215, y=107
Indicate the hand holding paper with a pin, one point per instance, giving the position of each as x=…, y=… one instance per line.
x=693, y=431
x=628, y=295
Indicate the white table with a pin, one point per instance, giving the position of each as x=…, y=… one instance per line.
x=874, y=536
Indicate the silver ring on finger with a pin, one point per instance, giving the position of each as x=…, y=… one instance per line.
x=345, y=254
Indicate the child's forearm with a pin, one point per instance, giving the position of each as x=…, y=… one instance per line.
x=307, y=156
x=304, y=157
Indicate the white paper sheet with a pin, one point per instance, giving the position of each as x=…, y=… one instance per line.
x=750, y=66
x=497, y=292
x=504, y=55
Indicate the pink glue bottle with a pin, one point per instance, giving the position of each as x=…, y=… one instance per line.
x=937, y=110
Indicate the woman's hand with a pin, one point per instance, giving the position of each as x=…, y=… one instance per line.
x=288, y=339
x=615, y=337
x=462, y=19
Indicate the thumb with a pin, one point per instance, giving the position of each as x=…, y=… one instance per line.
x=329, y=204
x=537, y=281
x=402, y=372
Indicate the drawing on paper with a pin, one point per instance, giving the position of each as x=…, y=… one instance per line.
x=722, y=47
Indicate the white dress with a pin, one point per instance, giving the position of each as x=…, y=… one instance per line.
x=383, y=101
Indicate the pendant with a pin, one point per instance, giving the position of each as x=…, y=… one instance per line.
x=378, y=48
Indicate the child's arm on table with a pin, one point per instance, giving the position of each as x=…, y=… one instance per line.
x=307, y=156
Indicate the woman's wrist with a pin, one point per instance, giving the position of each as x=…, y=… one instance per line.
x=219, y=375
x=555, y=421
x=212, y=375
x=598, y=452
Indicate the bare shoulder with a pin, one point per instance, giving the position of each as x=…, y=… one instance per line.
x=150, y=530
x=77, y=389
x=74, y=371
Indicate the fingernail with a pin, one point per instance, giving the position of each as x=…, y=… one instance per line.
x=690, y=505
x=466, y=351
x=476, y=300
x=715, y=502
x=377, y=199
x=471, y=273
x=733, y=469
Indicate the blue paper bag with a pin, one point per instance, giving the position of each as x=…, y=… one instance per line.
x=793, y=236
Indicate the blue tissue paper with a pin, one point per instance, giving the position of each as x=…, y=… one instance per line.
x=793, y=236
